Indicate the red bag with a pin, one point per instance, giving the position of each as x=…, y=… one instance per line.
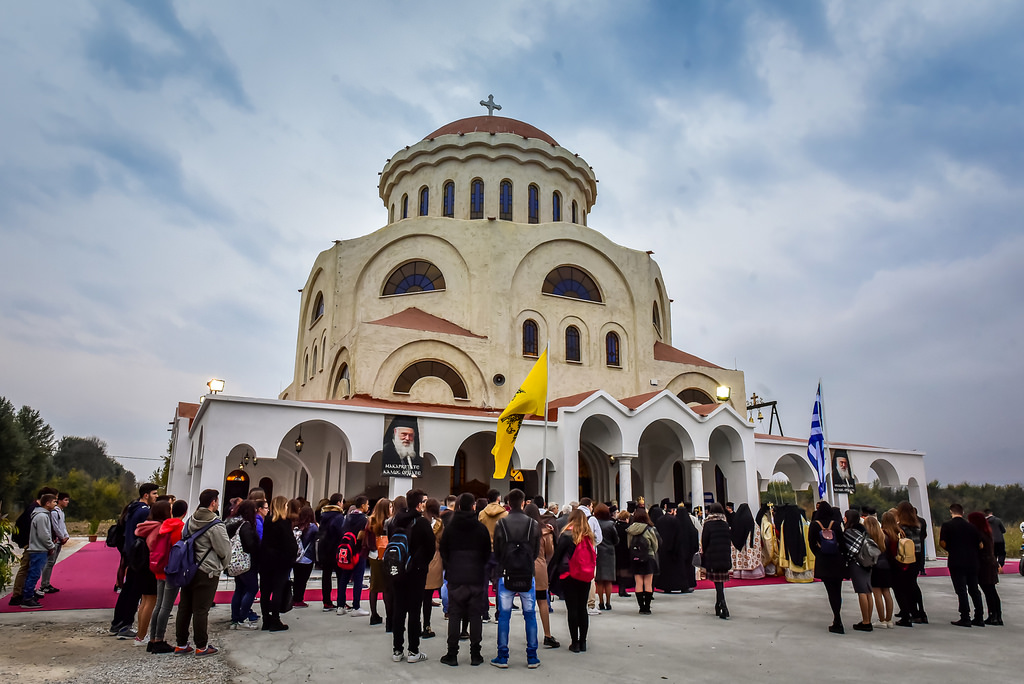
x=583, y=563
x=348, y=551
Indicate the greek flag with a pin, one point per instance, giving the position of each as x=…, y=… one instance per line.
x=816, y=444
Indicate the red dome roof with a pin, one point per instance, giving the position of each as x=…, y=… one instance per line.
x=492, y=124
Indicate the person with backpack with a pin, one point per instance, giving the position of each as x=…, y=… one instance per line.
x=406, y=560
x=40, y=546
x=643, y=541
x=241, y=529
x=435, y=573
x=332, y=520
x=547, y=550
x=911, y=526
x=211, y=551
x=305, y=531
x=134, y=581
x=22, y=533
x=825, y=539
x=716, y=555
x=375, y=544
x=572, y=570
x=138, y=560
x=516, y=546
x=350, y=558
x=160, y=545
x=465, y=549
x=60, y=538
x=855, y=538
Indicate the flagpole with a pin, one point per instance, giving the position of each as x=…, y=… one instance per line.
x=824, y=445
x=544, y=448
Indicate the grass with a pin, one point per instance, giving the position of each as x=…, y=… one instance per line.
x=80, y=528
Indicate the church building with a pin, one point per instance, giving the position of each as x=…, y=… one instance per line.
x=486, y=259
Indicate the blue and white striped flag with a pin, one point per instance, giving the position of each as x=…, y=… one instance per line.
x=816, y=444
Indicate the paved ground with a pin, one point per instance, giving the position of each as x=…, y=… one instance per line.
x=775, y=631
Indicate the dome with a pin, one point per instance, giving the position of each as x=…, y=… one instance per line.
x=491, y=124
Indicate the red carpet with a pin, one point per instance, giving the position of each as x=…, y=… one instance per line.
x=86, y=581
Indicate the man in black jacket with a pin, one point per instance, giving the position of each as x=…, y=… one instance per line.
x=408, y=589
x=515, y=529
x=465, y=550
x=131, y=593
x=961, y=541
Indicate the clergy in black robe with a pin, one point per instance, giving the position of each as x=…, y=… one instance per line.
x=690, y=543
x=670, y=560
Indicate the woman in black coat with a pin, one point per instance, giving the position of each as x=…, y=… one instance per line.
x=716, y=558
x=623, y=566
x=829, y=567
x=278, y=551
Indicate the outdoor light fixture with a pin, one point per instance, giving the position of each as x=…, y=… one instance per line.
x=722, y=393
x=298, y=442
x=216, y=385
x=245, y=461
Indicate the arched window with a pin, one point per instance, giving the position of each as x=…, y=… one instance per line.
x=611, y=349
x=575, y=213
x=476, y=200
x=448, y=200
x=405, y=206
x=695, y=396
x=572, y=344
x=341, y=383
x=505, y=201
x=569, y=281
x=305, y=368
x=414, y=276
x=556, y=206
x=424, y=200
x=431, y=369
x=391, y=213
x=530, y=345
x=534, y=204
x=318, y=308
x=656, y=318
x=314, y=362
x=323, y=347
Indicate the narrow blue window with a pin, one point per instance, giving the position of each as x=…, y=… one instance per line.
x=505, y=201
x=534, y=204
x=476, y=200
x=530, y=338
x=572, y=344
x=448, y=200
x=611, y=344
x=424, y=201
x=556, y=207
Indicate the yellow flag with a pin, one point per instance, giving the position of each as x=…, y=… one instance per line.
x=530, y=398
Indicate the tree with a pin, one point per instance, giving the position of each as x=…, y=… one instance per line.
x=26, y=451
x=88, y=454
x=161, y=474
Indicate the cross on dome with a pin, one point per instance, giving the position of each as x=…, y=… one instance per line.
x=489, y=103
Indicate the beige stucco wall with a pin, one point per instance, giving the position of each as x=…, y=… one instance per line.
x=494, y=271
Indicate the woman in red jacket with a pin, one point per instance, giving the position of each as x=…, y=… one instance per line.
x=168, y=534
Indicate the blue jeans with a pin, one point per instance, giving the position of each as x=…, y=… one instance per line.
x=529, y=600
x=36, y=563
x=246, y=586
x=355, y=575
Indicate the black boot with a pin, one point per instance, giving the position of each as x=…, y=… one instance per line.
x=640, y=601
x=648, y=597
x=725, y=611
x=718, y=607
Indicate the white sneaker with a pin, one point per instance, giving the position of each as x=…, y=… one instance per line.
x=252, y=624
x=593, y=611
x=359, y=612
x=141, y=642
x=342, y=610
x=397, y=655
x=416, y=657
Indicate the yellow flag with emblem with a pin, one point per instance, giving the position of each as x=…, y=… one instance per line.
x=529, y=399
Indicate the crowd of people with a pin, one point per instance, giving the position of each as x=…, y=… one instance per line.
x=421, y=552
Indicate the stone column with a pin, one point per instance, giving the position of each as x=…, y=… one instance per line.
x=625, y=462
x=697, y=483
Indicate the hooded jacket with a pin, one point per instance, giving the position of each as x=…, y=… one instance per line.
x=40, y=536
x=465, y=550
x=490, y=516
x=421, y=541
x=649, y=532
x=332, y=520
x=517, y=526
x=215, y=540
x=167, y=535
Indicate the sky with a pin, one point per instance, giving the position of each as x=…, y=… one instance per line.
x=832, y=190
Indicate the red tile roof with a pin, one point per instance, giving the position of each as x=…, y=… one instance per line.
x=415, y=319
x=633, y=403
x=704, y=409
x=491, y=124
x=187, y=410
x=664, y=352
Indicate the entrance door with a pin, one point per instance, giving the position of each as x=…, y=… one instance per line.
x=236, y=484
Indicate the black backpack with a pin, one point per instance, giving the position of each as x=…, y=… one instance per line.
x=517, y=563
x=396, y=554
x=23, y=526
x=138, y=555
x=639, y=549
x=115, y=535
